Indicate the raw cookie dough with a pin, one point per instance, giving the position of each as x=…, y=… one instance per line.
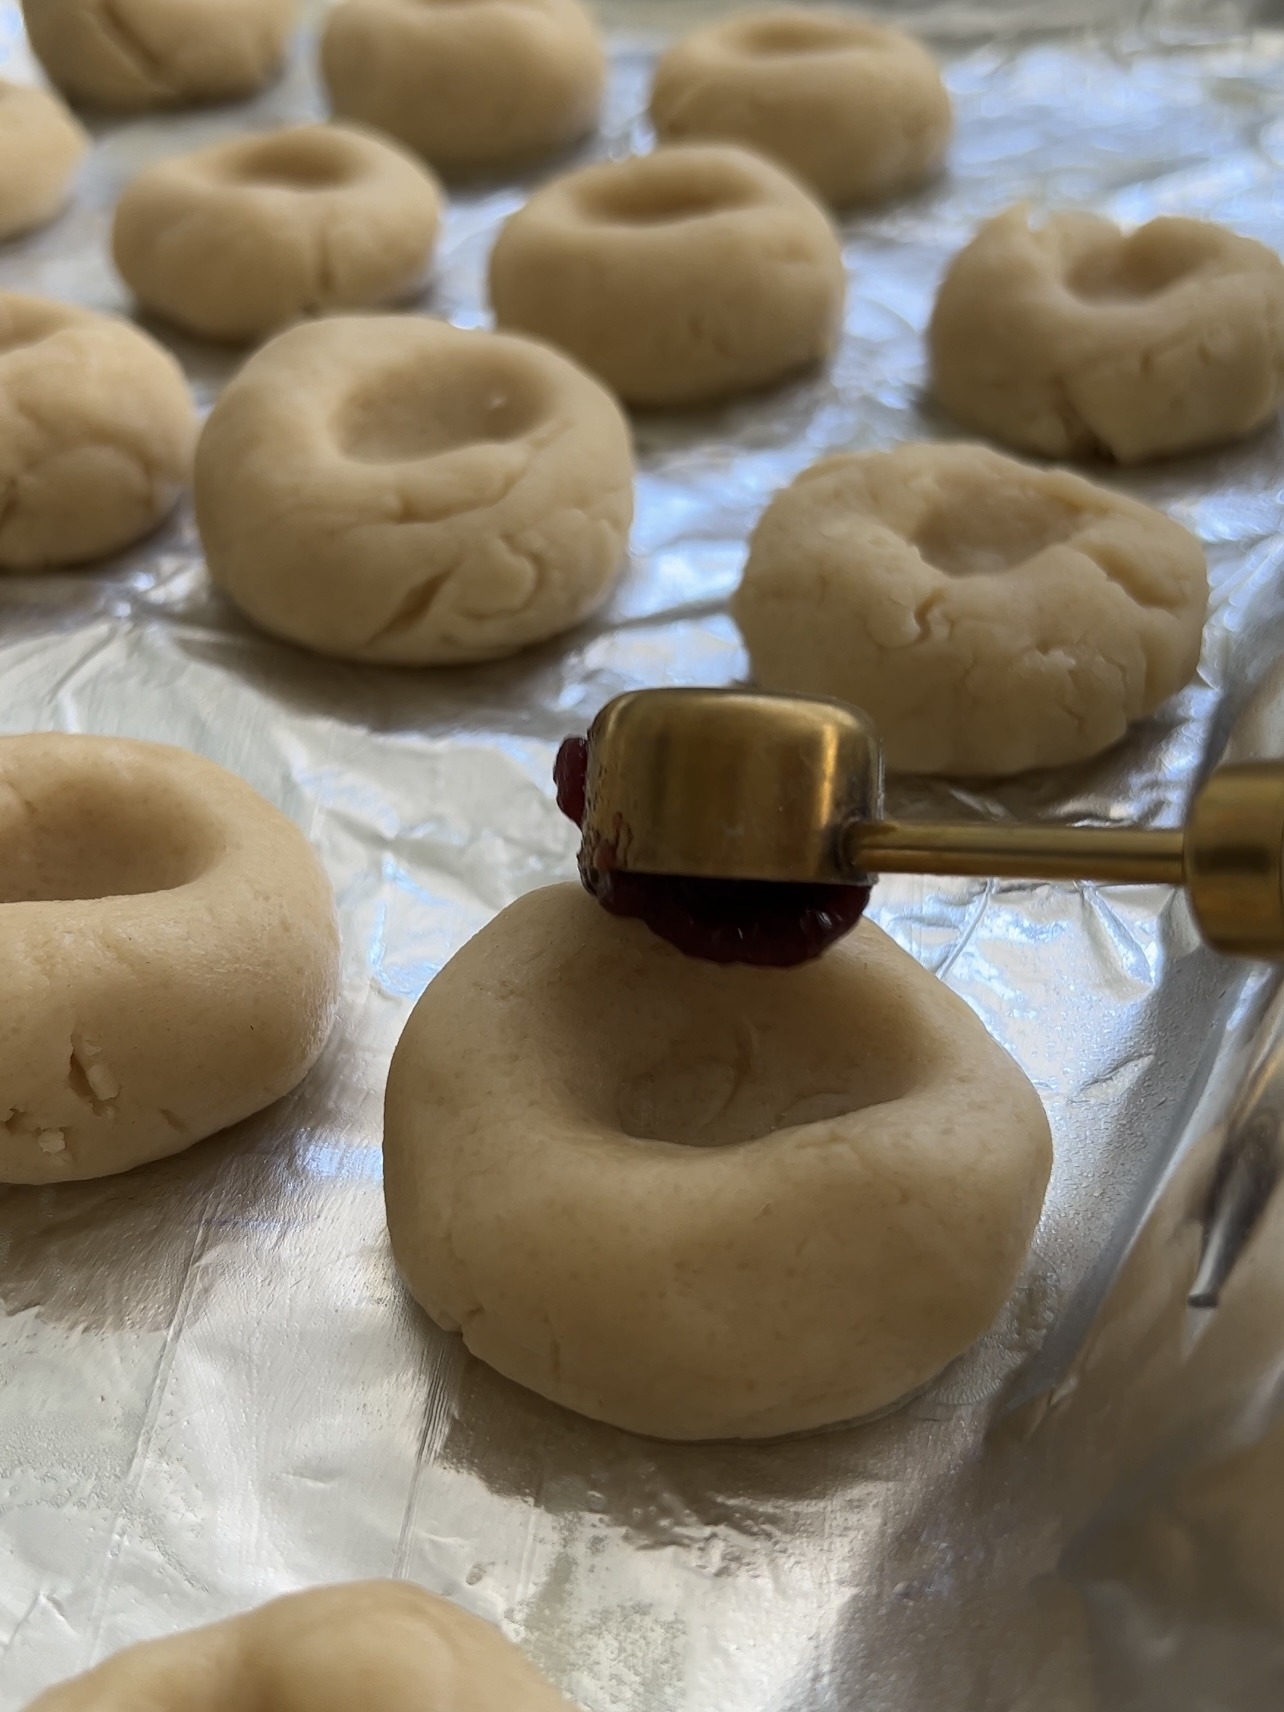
x=700, y=1200
x=855, y=109
x=41, y=146
x=679, y=277
x=168, y=954
x=134, y=54
x=1072, y=340
x=392, y=488
x=473, y=85
x=96, y=433
x=363, y=1646
x=988, y=616
x=238, y=239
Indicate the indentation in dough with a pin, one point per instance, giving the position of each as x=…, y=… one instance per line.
x=969, y=535
x=776, y=35
x=1121, y=270
x=816, y=1108
x=311, y=162
x=656, y=198
x=680, y=1102
x=100, y=843
x=744, y=1089
x=400, y=415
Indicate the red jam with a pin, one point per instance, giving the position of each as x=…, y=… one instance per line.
x=770, y=923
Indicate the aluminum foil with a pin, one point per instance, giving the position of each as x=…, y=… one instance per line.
x=215, y=1390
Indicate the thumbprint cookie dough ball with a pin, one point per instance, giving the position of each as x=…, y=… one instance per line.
x=131, y=55
x=855, y=109
x=392, y=488
x=1075, y=340
x=168, y=954
x=473, y=85
x=41, y=146
x=679, y=277
x=383, y=1646
x=705, y=1200
x=988, y=616
x=238, y=239
x=96, y=433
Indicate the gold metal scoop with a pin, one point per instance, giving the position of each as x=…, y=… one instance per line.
x=732, y=784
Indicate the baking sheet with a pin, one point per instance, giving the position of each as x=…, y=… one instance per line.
x=213, y=1389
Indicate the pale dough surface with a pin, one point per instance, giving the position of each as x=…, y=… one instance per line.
x=989, y=616
x=240, y=238
x=97, y=429
x=473, y=85
x=362, y=1646
x=135, y=54
x=1071, y=339
x=705, y=1201
x=854, y=108
x=679, y=277
x=168, y=954
x=393, y=488
x=41, y=146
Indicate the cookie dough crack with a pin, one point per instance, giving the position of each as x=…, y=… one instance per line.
x=414, y=607
x=130, y=45
x=90, y=1080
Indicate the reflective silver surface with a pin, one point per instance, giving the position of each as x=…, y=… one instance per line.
x=213, y=1388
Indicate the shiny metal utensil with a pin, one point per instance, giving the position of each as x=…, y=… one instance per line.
x=738, y=785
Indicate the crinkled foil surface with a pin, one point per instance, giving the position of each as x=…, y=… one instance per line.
x=214, y=1388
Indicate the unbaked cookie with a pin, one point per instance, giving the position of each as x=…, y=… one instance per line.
x=238, y=239
x=988, y=616
x=41, y=146
x=473, y=85
x=367, y=1646
x=168, y=954
x=1072, y=339
x=135, y=54
x=680, y=277
x=392, y=488
x=700, y=1200
x=855, y=108
x=96, y=433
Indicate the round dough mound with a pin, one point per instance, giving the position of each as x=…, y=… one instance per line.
x=679, y=277
x=473, y=85
x=1074, y=340
x=378, y=1646
x=237, y=240
x=989, y=617
x=168, y=954
x=700, y=1200
x=96, y=433
x=134, y=54
x=855, y=109
x=392, y=488
x=41, y=146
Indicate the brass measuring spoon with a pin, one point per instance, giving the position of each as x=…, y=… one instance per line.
x=710, y=788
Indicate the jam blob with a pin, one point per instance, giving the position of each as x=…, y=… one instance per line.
x=570, y=776
x=772, y=923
